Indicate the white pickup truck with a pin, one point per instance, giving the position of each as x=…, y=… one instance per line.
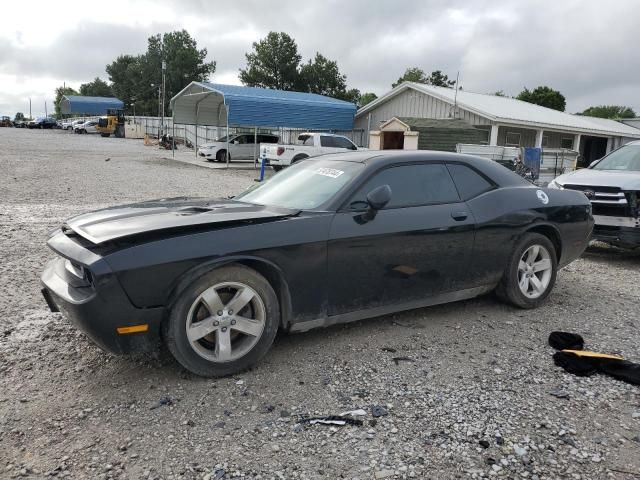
x=308, y=145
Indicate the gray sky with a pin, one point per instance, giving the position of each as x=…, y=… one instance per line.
x=587, y=49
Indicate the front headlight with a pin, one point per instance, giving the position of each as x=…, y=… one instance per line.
x=556, y=185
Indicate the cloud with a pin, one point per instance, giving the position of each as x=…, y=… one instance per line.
x=586, y=51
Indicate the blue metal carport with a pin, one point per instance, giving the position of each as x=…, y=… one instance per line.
x=89, y=105
x=203, y=103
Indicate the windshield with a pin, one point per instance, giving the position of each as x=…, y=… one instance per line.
x=305, y=185
x=625, y=158
x=224, y=138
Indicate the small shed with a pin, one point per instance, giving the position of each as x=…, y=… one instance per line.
x=408, y=133
x=203, y=103
x=83, y=105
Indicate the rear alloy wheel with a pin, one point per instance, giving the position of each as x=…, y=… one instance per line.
x=224, y=322
x=531, y=272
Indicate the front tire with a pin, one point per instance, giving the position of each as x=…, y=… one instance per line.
x=531, y=272
x=223, y=322
x=221, y=156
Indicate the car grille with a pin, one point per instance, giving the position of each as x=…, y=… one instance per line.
x=601, y=195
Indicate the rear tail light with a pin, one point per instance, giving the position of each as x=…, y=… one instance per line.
x=280, y=150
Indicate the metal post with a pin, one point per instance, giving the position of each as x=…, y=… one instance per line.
x=173, y=135
x=226, y=108
x=158, y=112
x=197, y=113
x=255, y=148
x=164, y=67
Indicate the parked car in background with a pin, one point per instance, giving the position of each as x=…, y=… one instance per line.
x=42, y=122
x=329, y=240
x=612, y=185
x=69, y=124
x=241, y=147
x=308, y=145
x=86, y=127
x=20, y=124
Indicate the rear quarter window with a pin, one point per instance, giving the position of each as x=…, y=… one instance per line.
x=470, y=183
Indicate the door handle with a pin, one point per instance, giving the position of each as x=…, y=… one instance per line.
x=459, y=216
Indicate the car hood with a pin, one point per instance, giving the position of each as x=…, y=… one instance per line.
x=170, y=215
x=212, y=145
x=605, y=178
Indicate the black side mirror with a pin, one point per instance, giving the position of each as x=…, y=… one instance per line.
x=379, y=197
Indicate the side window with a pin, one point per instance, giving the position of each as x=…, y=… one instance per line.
x=342, y=142
x=411, y=185
x=469, y=182
x=326, y=141
x=306, y=140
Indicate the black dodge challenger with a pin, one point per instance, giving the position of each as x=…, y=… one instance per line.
x=332, y=239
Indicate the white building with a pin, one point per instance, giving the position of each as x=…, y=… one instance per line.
x=507, y=121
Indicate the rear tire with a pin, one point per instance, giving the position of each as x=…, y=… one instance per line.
x=276, y=168
x=531, y=272
x=104, y=135
x=207, y=337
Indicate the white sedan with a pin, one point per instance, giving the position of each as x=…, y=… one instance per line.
x=241, y=147
x=86, y=127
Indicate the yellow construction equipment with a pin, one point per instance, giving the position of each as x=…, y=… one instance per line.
x=113, y=123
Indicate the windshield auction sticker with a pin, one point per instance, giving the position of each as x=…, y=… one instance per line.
x=328, y=172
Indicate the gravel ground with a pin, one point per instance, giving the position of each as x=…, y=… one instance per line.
x=478, y=397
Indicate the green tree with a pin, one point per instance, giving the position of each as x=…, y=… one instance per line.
x=273, y=63
x=417, y=75
x=545, y=97
x=413, y=74
x=439, y=79
x=19, y=117
x=499, y=93
x=136, y=79
x=96, y=88
x=366, y=98
x=322, y=76
x=60, y=92
x=352, y=95
x=610, y=111
x=125, y=74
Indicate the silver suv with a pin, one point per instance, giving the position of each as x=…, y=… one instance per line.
x=612, y=184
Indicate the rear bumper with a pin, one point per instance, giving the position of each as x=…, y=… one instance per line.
x=99, y=312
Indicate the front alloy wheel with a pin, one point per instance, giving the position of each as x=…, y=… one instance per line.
x=223, y=321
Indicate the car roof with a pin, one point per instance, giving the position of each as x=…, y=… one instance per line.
x=379, y=158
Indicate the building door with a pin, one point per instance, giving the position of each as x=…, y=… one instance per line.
x=392, y=140
x=591, y=149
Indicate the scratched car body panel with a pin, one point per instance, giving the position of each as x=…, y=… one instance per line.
x=339, y=238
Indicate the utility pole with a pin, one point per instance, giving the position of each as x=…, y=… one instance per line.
x=30, y=117
x=45, y=109
x=164, y=68
x=159, y=110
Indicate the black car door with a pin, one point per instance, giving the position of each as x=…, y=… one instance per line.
x=418, y=246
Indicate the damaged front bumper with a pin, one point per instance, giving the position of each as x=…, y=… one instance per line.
x=623, y=231
x=96, y=304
